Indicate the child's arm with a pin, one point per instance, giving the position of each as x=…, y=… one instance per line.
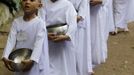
x=82, y=9
x=9, y=47
x=71, y=19
x=11, y=41
x=41, y=37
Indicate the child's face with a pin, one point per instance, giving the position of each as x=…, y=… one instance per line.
x=31, y=5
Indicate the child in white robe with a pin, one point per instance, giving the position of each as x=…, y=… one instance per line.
x=83, y=54
x=33, y=36
x=98, y=32
x=62, y=48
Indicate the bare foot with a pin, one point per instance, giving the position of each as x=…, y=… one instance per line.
x=91, y=73
x=126, y=30
x=116, y=31
x=112, y=33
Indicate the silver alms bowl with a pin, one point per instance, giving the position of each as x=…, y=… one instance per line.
x=58, y=29
x=18, y=56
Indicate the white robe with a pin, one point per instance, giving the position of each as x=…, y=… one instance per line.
x=62, y=54
x=83, y=60
x=130, y=11
x=34, y=37
x=110, y=16
x=107, y=20
x=98, y=33
x=120, y=13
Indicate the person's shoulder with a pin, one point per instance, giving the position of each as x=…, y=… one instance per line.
x=67, y=3
x=40, y=22
x=18, y=19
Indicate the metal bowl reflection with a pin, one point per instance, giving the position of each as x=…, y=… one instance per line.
x=58, y=29
x=18, y=56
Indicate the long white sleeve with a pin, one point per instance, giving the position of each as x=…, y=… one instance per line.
x=39, y=40
x=71, y=16
x=82, y=9
x=11, y=41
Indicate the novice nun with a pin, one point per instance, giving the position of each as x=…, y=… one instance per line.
x=98, y=33
x=83, y=55
x=62, y=47
x=29, y=31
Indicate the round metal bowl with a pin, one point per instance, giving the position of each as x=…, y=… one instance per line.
x=18, y=56
x=58, y=29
